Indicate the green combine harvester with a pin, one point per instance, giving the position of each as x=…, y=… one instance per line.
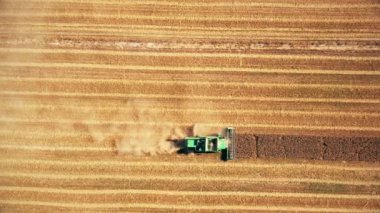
x=224, y=143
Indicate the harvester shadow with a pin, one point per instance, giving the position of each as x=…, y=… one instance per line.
x=180, y=144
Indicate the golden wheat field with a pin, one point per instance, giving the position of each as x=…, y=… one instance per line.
x=91, y=90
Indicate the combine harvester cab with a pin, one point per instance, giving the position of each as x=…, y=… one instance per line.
x=224, y=143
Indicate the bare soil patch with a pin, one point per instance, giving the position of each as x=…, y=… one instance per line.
x=309, y=147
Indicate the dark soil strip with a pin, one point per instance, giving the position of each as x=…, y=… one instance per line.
x=308, y=147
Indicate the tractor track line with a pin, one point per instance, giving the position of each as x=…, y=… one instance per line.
x=179, y=207
x=245, y=130
x=359, y=119
x=187, y=69
x=187, y=110
x=184, y=54
x=182, y=82
x=190, y=33
x=179, y=164
x=192, y=28
x=122, y=95
x=223, y=14
x=46, y=148
x=188, y=178
x=188, y=18
x=213, y=4
x=171, y=36
x=138, y=168
x=183, y=193
x=163, y=123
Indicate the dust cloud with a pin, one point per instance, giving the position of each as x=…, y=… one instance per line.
x=147, y=140
x=139, y=131
x=135, y=129
x=130, y=129
x=137, y=139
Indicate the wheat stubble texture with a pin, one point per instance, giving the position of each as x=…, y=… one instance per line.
x=90, y=90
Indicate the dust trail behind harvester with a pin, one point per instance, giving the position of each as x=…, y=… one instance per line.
x=150, y=132
x=146, y=134
x=142, y=139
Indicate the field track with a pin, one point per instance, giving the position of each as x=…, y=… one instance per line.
x=77, y=78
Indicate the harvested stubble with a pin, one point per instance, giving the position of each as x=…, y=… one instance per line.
x=77, y=76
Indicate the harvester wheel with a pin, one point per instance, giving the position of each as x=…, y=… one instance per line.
x=189, y=151
x=224, y=155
